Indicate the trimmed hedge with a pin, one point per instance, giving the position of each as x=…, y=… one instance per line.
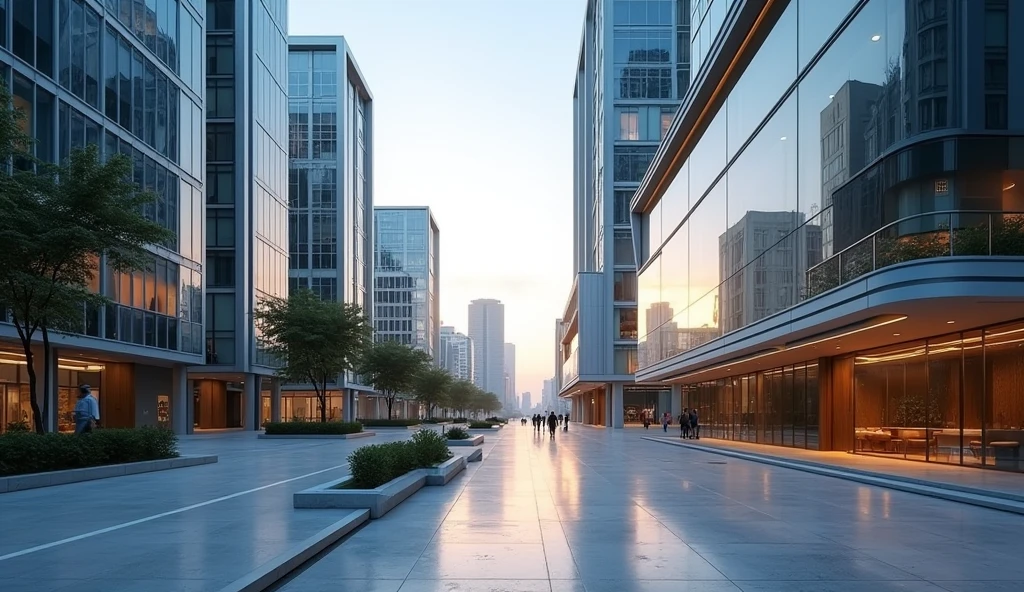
x=376, y=464
x=457, y=434
x=433, y=420
x=480, y=425
x=333, y=428
x=23, y=453
x=496, y=419
x=389, y=423
x=460, y=420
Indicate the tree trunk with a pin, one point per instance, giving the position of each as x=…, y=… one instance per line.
x=390, y=401
x=322, y=395
x=47, y=352
x=37, y=416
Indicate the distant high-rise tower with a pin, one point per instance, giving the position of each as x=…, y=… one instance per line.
x=406, y=273
x=455, y=354
x=487, y=330
x=510, y=373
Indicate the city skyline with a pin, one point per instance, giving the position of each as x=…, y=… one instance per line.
x=416, y=145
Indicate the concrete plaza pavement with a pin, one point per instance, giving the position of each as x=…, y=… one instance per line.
x=182, y=530
x=606, y=511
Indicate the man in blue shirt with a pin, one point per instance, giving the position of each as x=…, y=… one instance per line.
x=87, y=410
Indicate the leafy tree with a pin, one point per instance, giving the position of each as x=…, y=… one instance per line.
x=315, y=340
x=57, y=223
x=431, y=387
x=392, y=369
x=485, y=402
x=461, y=394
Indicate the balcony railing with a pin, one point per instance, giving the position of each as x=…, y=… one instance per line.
x=570, y=367
x=922, y=236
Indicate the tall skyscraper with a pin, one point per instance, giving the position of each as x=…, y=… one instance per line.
x=456, y=354
x=487, y=330
x=127, y=78
x=510, y=375
x=527, y=402
x=330, y=193
x=246, y=205
x=407, y=270
x=633, y=69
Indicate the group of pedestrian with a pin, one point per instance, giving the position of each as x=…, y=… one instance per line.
x=552, y=422
x=689, y=424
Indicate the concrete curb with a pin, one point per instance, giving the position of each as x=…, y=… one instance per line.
x=401, y=428
x=378, y=501
x=476, y=440
x=315, y=436
x=446, y=471
x=995, y=500
x=51, y=478
x=272, y=571
x=476, y=456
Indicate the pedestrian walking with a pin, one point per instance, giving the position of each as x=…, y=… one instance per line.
x=694, y=424
x=552, y=423
x=665, y=420
x=565, y=426
x=87, y=410
x=646, y=417
x=684, y=423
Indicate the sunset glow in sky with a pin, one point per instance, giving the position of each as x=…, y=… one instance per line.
x=473, y=117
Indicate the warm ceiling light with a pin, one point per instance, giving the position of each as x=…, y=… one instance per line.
x=837, y=347
x=950, y=322
x=895, y=334
x=1009, y=187
x=876, y=37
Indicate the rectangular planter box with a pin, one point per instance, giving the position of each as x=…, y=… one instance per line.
x=386, y=428
x=476, y=455
x=378, y=501
x=446, y=471
x=37, y=480
x=315, y=436
x=473, y=440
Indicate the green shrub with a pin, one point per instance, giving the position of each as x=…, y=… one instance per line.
x=457, y=433
x=433, y=420
x=376, y=464
x=460, y=420
x=496, y=419
x=480, y=425
x=389, y=423
x=18, y=426
x=431, y=448
x=25, y=452
x=313, y=427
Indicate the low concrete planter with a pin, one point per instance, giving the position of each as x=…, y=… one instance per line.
x=446, y=471
x=378, y=501
x=476, y=440
x=316, y=436
x=485, y=430
x=396, y=428
x=37, y=480
x=476, y=455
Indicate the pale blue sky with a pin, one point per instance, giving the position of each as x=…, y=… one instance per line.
x=473, y=117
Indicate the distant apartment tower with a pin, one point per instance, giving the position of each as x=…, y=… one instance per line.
x=527, y=402
x=330, y=192
x=510, y=374
x=406, y=273
x=487, y=330
x=456, y=354
x=246, y=206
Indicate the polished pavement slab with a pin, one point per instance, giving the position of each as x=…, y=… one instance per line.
x=183, y=530
x=606, y=511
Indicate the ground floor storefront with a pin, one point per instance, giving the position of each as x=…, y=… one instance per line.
x=618, y=405
x=303, y=405
x=956, y=398
x=130, y=394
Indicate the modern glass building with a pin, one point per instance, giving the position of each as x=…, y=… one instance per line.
x=456, y=354
x=487, y=334
x=831, y=235
x=407, y=270
x=633, y=69
x=330, y=196
x=246, y=209
x=125, y=75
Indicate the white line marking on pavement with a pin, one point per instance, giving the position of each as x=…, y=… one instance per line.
x=157, y=516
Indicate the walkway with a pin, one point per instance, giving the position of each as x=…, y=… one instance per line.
x=185, y=530
x=606, y=511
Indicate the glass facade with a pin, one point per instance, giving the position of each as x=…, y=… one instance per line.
x=246, y=172
x=111, y=78
x=816, y=147
x=405, y=295
x=328, y=179
x=949, y=399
